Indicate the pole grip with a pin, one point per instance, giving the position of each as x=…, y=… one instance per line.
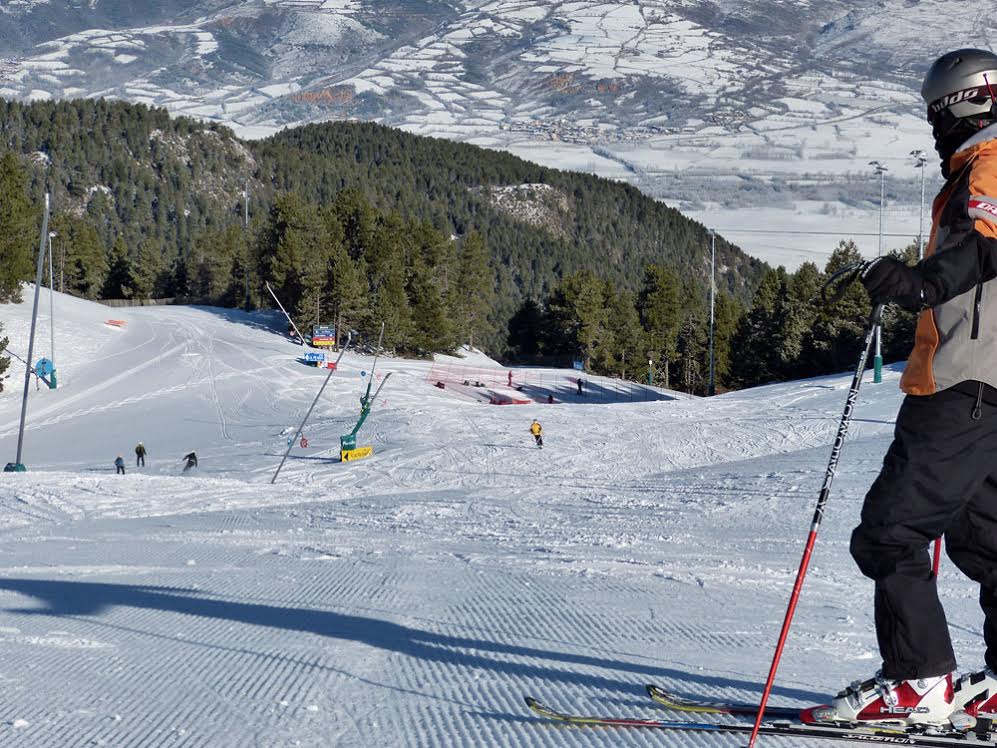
x=876, y=318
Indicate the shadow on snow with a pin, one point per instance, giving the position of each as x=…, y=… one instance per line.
x=73, y=599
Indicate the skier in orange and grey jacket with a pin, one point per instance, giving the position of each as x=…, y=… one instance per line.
x=939, y=475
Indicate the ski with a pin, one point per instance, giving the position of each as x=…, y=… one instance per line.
x=879, y=735
x=678, y=703
x=674, y=702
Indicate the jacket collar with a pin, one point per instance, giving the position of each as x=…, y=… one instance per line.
x=972, y=147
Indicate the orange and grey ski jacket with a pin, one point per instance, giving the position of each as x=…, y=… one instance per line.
x=956, y=338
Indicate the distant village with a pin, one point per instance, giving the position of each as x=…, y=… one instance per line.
x=566, y=131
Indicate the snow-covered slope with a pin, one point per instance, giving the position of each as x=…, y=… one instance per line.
x=414, y=597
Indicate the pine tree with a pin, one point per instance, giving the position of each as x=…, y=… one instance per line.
x=18, y=229
x=237, y=292
x=577, y=316
x=345, y=291
x=431, y=325
x=727, y=316
x=793, y=321
x=164, y=186
x=526, y=330
x=429, y=264
x=660, y=313
x=628, y=335
x=473, y=293
x=119, y=283
x=691, y=352
x=838, y=329
x=291, y=256
x=357, y=219
x=148, y=273
x=216, y=252
x=387, y=266
x=757, y=339
x=178, y=278
x=80, y=260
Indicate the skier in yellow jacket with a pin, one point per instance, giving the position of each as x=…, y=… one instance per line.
x=538, y=433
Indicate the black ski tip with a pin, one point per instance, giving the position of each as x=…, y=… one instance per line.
x=538, y=707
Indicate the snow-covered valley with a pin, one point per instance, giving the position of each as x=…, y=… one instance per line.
x=412, y=598
x=753, y=117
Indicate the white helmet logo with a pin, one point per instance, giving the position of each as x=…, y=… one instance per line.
x=954, y=98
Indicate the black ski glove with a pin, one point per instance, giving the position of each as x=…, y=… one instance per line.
x=887, y=279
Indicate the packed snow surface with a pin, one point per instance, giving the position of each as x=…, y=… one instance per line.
x=413, y=598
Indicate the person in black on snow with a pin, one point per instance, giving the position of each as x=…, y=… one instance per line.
x=938, y=476
x=191, y=461
x=119, y=463
x=140, y=455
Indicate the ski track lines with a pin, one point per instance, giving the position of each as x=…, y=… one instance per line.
x=38, y=416
x=412, y=599
x=453, y=675
x=228, y=676
x=180, y=342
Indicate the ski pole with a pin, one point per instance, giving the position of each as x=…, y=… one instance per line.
x=301, y=428
x=937, y=562
x=874, y=322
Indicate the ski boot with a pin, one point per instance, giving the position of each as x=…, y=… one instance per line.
x=919, y=701
x=976, y=694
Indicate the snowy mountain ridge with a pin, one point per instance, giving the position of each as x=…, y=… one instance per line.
x=759, y=115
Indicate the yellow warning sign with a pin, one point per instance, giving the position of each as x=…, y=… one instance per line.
x=355, y=454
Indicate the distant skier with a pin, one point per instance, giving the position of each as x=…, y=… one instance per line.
x=937, y=476
x=140, y=455
x=191, y=459
x=538, y=433
x=581, y=386
x=119, y=463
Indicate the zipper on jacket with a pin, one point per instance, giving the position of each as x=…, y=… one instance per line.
x=978, y=409
x=977, y=303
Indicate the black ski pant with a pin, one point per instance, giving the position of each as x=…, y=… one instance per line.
x=939, y=477
x=140, y=460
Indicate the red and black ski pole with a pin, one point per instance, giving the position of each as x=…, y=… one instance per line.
x=874, y=322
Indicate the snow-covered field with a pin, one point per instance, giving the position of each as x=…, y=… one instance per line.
x=410, y=599
x=749, y=116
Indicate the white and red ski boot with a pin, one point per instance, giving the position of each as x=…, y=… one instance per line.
x=919, y=701
x=976, y=693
